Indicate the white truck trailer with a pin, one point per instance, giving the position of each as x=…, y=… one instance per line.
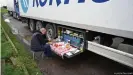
x=106, y=25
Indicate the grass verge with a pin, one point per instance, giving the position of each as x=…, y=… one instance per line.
x=23, y=55
x=3, y=10
x=7, y=52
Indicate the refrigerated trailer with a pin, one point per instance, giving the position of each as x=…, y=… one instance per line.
x=106, y=25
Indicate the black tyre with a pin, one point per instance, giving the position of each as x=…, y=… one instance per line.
x=39, y=25
x=26, y=20
x=51, y=32
x=13, y=15
x=9, y=12
x=32, y=25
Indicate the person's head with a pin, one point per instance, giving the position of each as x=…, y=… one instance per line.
x=43, y=30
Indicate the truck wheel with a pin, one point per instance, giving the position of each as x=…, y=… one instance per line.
x=10, y=13
x=32, y=25
x=38, y=25
x=26, y=20
x=50, y=31
x=17, y=17
x=14, y=15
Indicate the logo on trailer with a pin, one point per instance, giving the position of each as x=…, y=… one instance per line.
x=24, y=5
x=42, y=3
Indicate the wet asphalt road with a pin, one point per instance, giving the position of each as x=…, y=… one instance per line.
x=87, y=63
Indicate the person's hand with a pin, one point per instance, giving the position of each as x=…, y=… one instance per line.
x=50, y=43
x=49, y=39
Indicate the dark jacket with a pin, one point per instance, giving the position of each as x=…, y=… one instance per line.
x=38, y=41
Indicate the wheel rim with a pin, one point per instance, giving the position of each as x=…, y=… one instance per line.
x=49, y=33
x=31, y=26
x=38, y=27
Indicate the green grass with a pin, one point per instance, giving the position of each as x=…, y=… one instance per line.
x=23, y=55
x=3, y=10
x=3, y=37
x=11, y=70
x=7, y=50
x=6, y=53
